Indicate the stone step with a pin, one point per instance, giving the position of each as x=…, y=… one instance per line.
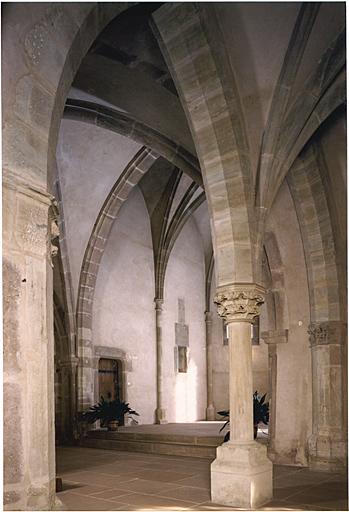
x=162, y=444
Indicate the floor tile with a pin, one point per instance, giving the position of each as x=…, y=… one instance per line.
x=110, y=494
x=156, y=502
x=78, y=502
x=194, y=494
x=212, y=506
x=83, y=488
x=159, y=476
x=147, y=486
x=196, y=481
x=110, y=480
x=95, y=478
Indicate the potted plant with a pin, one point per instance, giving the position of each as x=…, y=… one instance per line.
x=260, y=414
x=110, y=412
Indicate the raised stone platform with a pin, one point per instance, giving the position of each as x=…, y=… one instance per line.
x=198, y=439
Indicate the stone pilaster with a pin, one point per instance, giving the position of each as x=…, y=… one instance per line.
x=160, y=413
x=210, y=410
x=327, y=444
x=241, y=475
x=28, y=348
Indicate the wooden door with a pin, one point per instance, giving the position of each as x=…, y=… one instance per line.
x=109, y=379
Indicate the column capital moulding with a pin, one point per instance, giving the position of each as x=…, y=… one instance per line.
x=239, y=302
x=331, y=332
x=72, y=362
x=275, y=337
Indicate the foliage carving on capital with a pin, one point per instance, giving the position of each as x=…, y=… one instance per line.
x=239, y=303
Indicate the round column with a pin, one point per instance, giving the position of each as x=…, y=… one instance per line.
x=210, y=410
x=160, y=413
x=242, y=474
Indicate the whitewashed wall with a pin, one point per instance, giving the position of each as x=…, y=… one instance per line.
x=185, y=393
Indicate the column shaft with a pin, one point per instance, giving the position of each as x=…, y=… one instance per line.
x=240, y=382
x=210, y=411
x=160, y=415
x=272, y=360
x=241, y=475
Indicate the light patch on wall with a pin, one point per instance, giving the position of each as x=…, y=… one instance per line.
x=186, y=405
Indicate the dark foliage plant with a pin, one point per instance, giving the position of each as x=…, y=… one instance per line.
x=260, y=413
x=107, y=410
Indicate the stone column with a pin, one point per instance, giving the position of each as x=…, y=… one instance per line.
x=241, y=475
x=327, y=444
x=160, y=413
x=210, y=410
x=272, y=339
x=68, y=378
x=28, y=393
x=272, y=370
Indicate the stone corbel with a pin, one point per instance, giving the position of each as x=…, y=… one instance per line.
x=274, y=337
x=239, y=302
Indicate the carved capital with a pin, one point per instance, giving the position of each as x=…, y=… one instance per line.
x=326, y=333
x=158, y=304
x=239, y=302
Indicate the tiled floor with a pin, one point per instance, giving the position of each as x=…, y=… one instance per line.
x=110, y=480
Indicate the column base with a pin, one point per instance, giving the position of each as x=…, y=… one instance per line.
x=326, y=453
x=160, y=416
x=210, y=413
x=242, y=475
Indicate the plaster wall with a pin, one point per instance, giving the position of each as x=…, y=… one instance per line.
x=294, y=381
x=185, y=393
x=89, y=161
x=124, y=314
x=220, y=354
x=123, y=309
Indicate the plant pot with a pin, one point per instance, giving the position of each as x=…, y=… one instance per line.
x=255, y=431
x=113, y=425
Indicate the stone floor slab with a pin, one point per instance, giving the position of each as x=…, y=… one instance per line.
x=92, y=481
